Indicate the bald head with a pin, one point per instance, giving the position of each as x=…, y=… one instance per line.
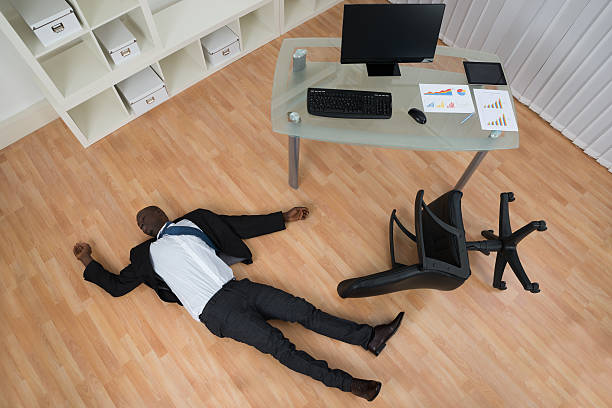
x=151, y=219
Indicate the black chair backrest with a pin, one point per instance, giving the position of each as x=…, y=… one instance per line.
x=440, y=234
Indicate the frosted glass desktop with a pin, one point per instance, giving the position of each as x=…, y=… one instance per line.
x=441, y=132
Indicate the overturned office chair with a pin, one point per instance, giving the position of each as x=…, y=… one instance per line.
x=442, y=249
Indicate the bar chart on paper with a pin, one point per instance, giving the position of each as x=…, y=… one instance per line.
x=501, y=121
x=495, y=110
x=495, y=105
x=446, y=98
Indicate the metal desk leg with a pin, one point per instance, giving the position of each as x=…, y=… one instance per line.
x=294, y=160
x=471, y=168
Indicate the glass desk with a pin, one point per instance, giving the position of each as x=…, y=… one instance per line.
x=442, y=131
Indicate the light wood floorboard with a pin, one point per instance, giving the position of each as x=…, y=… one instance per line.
x=65, y=342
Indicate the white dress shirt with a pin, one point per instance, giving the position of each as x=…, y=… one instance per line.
x=190, y=268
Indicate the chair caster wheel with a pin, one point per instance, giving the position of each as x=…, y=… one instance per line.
x=488, y=234
x=542, y=226
x=510, y=195
x=502, y=286
x=534, y=288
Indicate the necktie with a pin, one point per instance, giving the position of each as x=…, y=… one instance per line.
x=167, y=229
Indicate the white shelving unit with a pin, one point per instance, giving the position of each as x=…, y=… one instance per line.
x=79, y=79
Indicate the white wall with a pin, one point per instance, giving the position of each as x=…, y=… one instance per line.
x=557, y=57
x=18, y=89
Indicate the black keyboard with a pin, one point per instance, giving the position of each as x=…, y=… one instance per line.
x=346, y=103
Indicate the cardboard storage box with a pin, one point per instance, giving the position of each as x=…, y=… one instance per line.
x=51, y=20
x=117, y=41
x=143, y=91
x=220, y=45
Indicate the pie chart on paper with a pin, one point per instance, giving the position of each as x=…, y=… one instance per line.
x=446, y=98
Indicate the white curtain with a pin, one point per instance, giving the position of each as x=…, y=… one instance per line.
x=557, y=57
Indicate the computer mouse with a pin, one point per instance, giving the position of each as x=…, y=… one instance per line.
x=418, y=115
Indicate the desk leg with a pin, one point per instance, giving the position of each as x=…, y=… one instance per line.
x=471, y=168
x=294, y=160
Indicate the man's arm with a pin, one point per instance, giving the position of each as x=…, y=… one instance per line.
x=116, y=285
x=250, y=226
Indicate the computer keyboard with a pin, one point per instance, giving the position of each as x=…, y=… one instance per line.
x=346, y=103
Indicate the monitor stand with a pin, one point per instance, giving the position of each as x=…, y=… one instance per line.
x=383, y=69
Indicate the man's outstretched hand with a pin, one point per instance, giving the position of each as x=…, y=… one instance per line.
x=296, y=214
x=82, y=251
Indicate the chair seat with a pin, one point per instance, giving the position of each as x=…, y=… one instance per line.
x=400, y=277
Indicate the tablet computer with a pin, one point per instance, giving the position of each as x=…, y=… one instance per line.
x=487, y=73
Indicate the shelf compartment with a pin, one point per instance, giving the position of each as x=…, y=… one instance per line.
x=75, y=65
x=296, y=12
x=183, y=68
x=27, y=35
x=100, y=115
x=135, y=22
x=258, y=27
x=98, y=12
x=227, y=49
x=189, y=18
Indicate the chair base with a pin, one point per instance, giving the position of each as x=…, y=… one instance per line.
x=505, y=245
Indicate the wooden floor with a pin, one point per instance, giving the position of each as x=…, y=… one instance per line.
x=65, y=342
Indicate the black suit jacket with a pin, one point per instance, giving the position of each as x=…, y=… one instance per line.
x=226, y=232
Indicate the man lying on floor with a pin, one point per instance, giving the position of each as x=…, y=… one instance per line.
x=187, y=262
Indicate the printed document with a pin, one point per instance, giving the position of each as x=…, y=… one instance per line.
x=446, y=98
x=495, y=110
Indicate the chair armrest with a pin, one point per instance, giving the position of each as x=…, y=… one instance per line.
x=401, y=226
x=393, y=219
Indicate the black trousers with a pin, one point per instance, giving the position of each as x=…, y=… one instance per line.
x=240, y=311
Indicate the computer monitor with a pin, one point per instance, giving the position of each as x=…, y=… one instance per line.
x=381, y=35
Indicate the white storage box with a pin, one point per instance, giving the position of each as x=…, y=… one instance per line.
x=221, y=45
x=143, y=91
x=51, y=20
x=117, y=41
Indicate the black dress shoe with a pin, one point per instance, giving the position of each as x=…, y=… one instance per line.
x=382, y=333
x=366, y=389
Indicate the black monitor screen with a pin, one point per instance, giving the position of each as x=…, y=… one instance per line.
x=390, y=33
